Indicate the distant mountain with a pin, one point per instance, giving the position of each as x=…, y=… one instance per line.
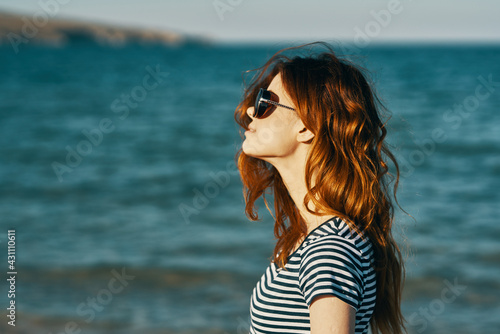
x=16, y=29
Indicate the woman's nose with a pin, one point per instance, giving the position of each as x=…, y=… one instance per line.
x=250, y=112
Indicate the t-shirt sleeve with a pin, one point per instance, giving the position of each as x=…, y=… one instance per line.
x=332, y=267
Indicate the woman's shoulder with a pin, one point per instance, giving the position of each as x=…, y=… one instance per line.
x=335, y=235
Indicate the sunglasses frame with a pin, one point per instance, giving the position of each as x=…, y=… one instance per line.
x=262, y=108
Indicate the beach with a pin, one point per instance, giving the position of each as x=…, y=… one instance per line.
x=117, y=174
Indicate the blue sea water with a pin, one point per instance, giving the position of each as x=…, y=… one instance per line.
x=150, y=193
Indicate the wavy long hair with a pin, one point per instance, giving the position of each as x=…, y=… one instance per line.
x=348, y=157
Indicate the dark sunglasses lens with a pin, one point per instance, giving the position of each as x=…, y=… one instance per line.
x=263, y=109
x=258, y=105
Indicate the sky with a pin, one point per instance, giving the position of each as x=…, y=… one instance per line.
x=293, y=20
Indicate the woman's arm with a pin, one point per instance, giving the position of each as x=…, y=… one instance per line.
x=329, y=315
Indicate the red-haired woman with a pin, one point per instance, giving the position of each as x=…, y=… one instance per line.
x=314, y=138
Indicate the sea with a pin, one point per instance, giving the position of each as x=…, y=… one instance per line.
x=118, y=183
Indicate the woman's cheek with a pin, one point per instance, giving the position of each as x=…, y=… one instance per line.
x=266, y=136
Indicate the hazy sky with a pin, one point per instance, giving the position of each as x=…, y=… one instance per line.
x=278, y=20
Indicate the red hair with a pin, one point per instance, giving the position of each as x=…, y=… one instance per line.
x=348, y=157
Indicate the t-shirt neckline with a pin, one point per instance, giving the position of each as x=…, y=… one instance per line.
x=310, y=234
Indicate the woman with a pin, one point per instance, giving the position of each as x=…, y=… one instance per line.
x=315, y=140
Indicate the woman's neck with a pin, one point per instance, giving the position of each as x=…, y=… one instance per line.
x=292, y=171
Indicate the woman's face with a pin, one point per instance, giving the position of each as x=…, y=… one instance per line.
x=276, y=135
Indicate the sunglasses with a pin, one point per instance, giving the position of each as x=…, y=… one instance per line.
x=265, y=103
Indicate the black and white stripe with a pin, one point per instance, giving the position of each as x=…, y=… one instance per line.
x=331, y=260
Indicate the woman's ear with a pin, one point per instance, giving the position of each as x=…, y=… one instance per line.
x=305, y=135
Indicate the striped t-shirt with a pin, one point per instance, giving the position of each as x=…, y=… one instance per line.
x=331, y=260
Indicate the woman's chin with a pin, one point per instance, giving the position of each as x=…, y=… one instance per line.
x=247, y=148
